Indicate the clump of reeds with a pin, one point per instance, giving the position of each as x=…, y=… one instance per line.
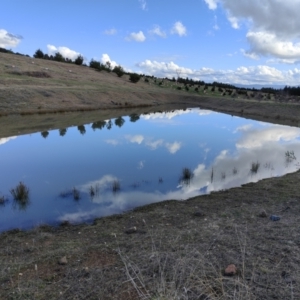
x=76, y=194
x=116, y=186
x=20, y=193
x=186, y=175
x=290, y=156
x=254, y=167
x=94, y=190
x=223, y=175
x=2, y=200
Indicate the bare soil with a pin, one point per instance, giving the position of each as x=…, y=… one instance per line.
x=169, y=250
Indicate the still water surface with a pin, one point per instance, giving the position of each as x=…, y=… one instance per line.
x=145, y=155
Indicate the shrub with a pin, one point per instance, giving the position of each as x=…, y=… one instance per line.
x=179, y=88
x=134, y=77
x=119, y=71
x=38, y=54
x=58, y=57
x=79, y=60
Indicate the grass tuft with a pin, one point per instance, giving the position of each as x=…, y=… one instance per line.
x=20, y=193
x=116, y=186
x=254, y=167
x=186, y=175
x=76, y=194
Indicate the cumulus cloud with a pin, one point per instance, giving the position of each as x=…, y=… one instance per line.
x=212, y=4
x=138, y=139
x=157, y=31
x=154, y=144
x=173, y=147
x=253, y=138
x=273, y=26
x=8, y=39
x=111, y=31
x=5, y=140
x=105, y=58
x=261, y=74
x=64, y=51
x=136, y=36
x=179, y=28
x=265, y=43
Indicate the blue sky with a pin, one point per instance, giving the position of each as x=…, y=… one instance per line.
x=239, y=42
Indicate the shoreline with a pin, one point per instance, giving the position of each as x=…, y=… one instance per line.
x=164, y=250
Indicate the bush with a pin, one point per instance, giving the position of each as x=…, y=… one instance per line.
x=118, y=70
x=58, y=57
x=95, y=64
x=79, y=60
x=134, y=77
x=39, y=54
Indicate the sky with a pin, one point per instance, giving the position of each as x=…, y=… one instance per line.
x=238, y=42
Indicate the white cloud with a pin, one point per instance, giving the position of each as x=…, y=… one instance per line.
x=269, y=44
x=212, y=4
x=138, y=139
x=105, y=58
x=64, y=51
x=173, y=147
x=253, y=138
x=251, y=55
x=278, y=17
x=157, y=31
x=261, y=74
x=179, y=28
x=143, y=4
x=112, y=142
x=154, y=144
x=5, y=140
x=273, y=26
x=136, y=36
x=141, y=164
x=8, y=39
x=111, y=31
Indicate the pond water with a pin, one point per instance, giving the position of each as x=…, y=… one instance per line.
x=111, y=166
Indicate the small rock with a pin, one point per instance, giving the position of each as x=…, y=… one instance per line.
x=199, y=214
x=131, y=230
x=63, y=261
x=274, y=218
x=230, y=270
x=262, y=214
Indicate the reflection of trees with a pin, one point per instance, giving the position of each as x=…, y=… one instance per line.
x=98, y=125
x=62, y=131
x=81, y=129
x=44, y=134
x=109, y=125
x=134, y=117
x=119, y=122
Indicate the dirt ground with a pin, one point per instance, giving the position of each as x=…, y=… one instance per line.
x=169, y=250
